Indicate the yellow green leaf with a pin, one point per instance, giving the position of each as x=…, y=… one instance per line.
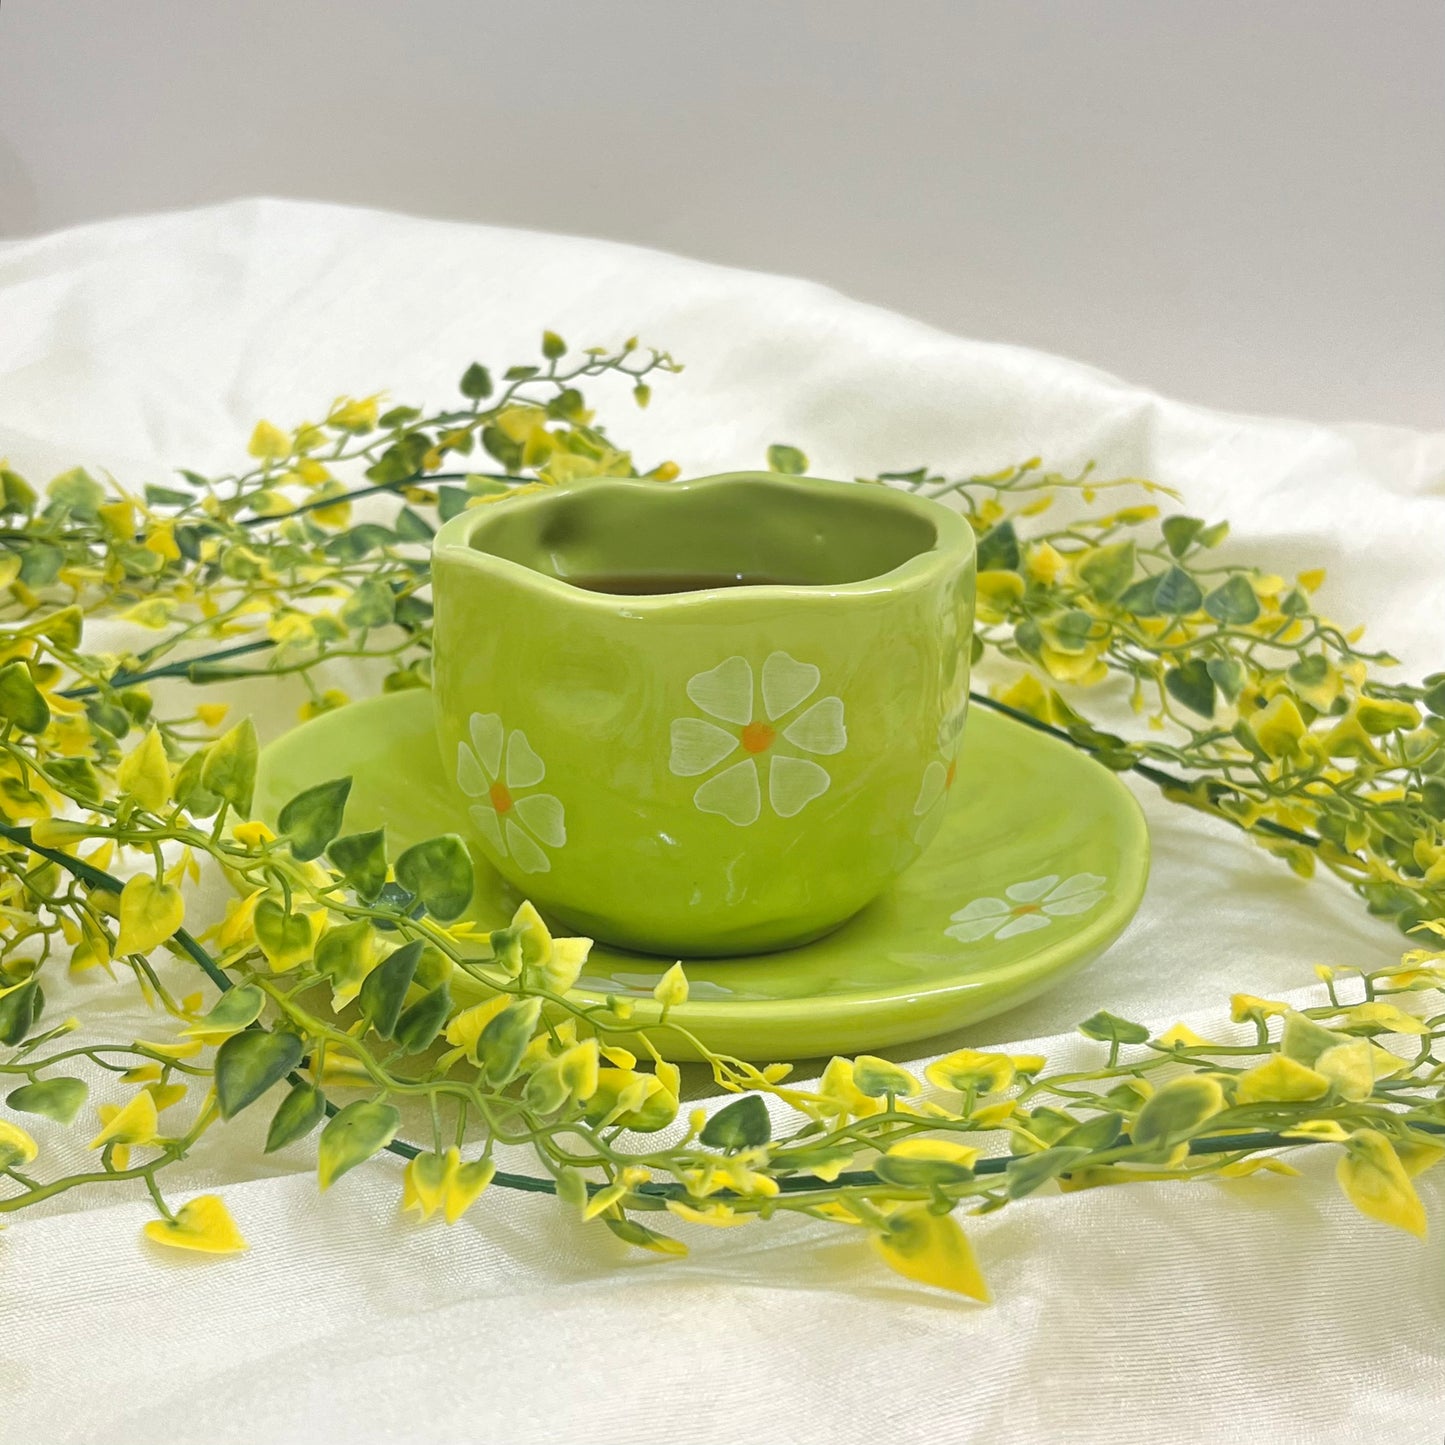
x=465, y=1182
x=423, y=1182
x=931, y=1249
x=144, y=773
x=1354, y=1067
x=1375, y=1182
x=966, y=1069
x=150, y=913
x=203, y=1225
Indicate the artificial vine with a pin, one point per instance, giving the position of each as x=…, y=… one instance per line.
x=337, y=991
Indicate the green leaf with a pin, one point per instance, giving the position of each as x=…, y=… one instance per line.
x=439, y=871
x=998, y=549
x=1233, y=602
x=451, y=502
x=553, y=347
x=249, y=1063
x=476, y=382
x=20, y=700
x=1025, y=1175
x=567, y=405
x=1213, y=534
x=41, y=563
x=505, y=1039
x=1191, y=684
x=1432, y=798
x=1110, y=1028
x=1099, y=1132
x=371, y=605
x=1177, y=1111
x=520, y=373
x=16, y=494
x=1228, y=675
x=229, y=771
x=1434, y=695
x=20, y=1011
x=1180, y=532
x=300, y=1112
x=313, y=818
x=1107, y=571
x=412, y=527
x=1177, y=593
x=352, y=1136
x=419, y=1025
x=1140, y=598
x=166, y=496
x=77, y=779
x=58, y=1099
x=383, y=992
x=188, y=789
x=235, y=1010
x=743, y=1124
x=360, y=858
x=787, y=460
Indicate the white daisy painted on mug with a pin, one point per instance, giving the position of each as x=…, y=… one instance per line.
x=1026, y=907
x=769, y=720
x=499, y=771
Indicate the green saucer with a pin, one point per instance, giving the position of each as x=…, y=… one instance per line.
x=1039, y=865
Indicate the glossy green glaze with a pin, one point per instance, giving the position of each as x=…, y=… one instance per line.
x=1039, y=863
x=709, y=772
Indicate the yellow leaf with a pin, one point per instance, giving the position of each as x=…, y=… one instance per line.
x=150, y=913
x=1376, y=1183
x=1281, y=1080
x=1245, y=1006
x=932, y=1249
x=1383, y=1018
x=268, y=443
x=1328, y=1131
x=1181, y=1034
x=465, y=1182
x=16, y=1146
x=718, y=1216
x=1417, y=1156
x=212, y=714
x=135, y=1123
x=204, y=1225
x=671, y=989
x=144, y=773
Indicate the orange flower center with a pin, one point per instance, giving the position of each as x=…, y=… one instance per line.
x=758, y=737
x=1019, y=909
x=951, y=774
x=501, y=798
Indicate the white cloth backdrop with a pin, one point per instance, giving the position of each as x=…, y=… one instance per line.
x=1259, y=1310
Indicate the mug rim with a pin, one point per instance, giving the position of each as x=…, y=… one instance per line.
x=953, y=544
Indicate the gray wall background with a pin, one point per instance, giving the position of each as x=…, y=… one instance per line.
x=1240, y=202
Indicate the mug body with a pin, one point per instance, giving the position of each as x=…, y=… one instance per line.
x=714, y=771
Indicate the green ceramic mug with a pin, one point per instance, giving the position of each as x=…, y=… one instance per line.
x=719, y=770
